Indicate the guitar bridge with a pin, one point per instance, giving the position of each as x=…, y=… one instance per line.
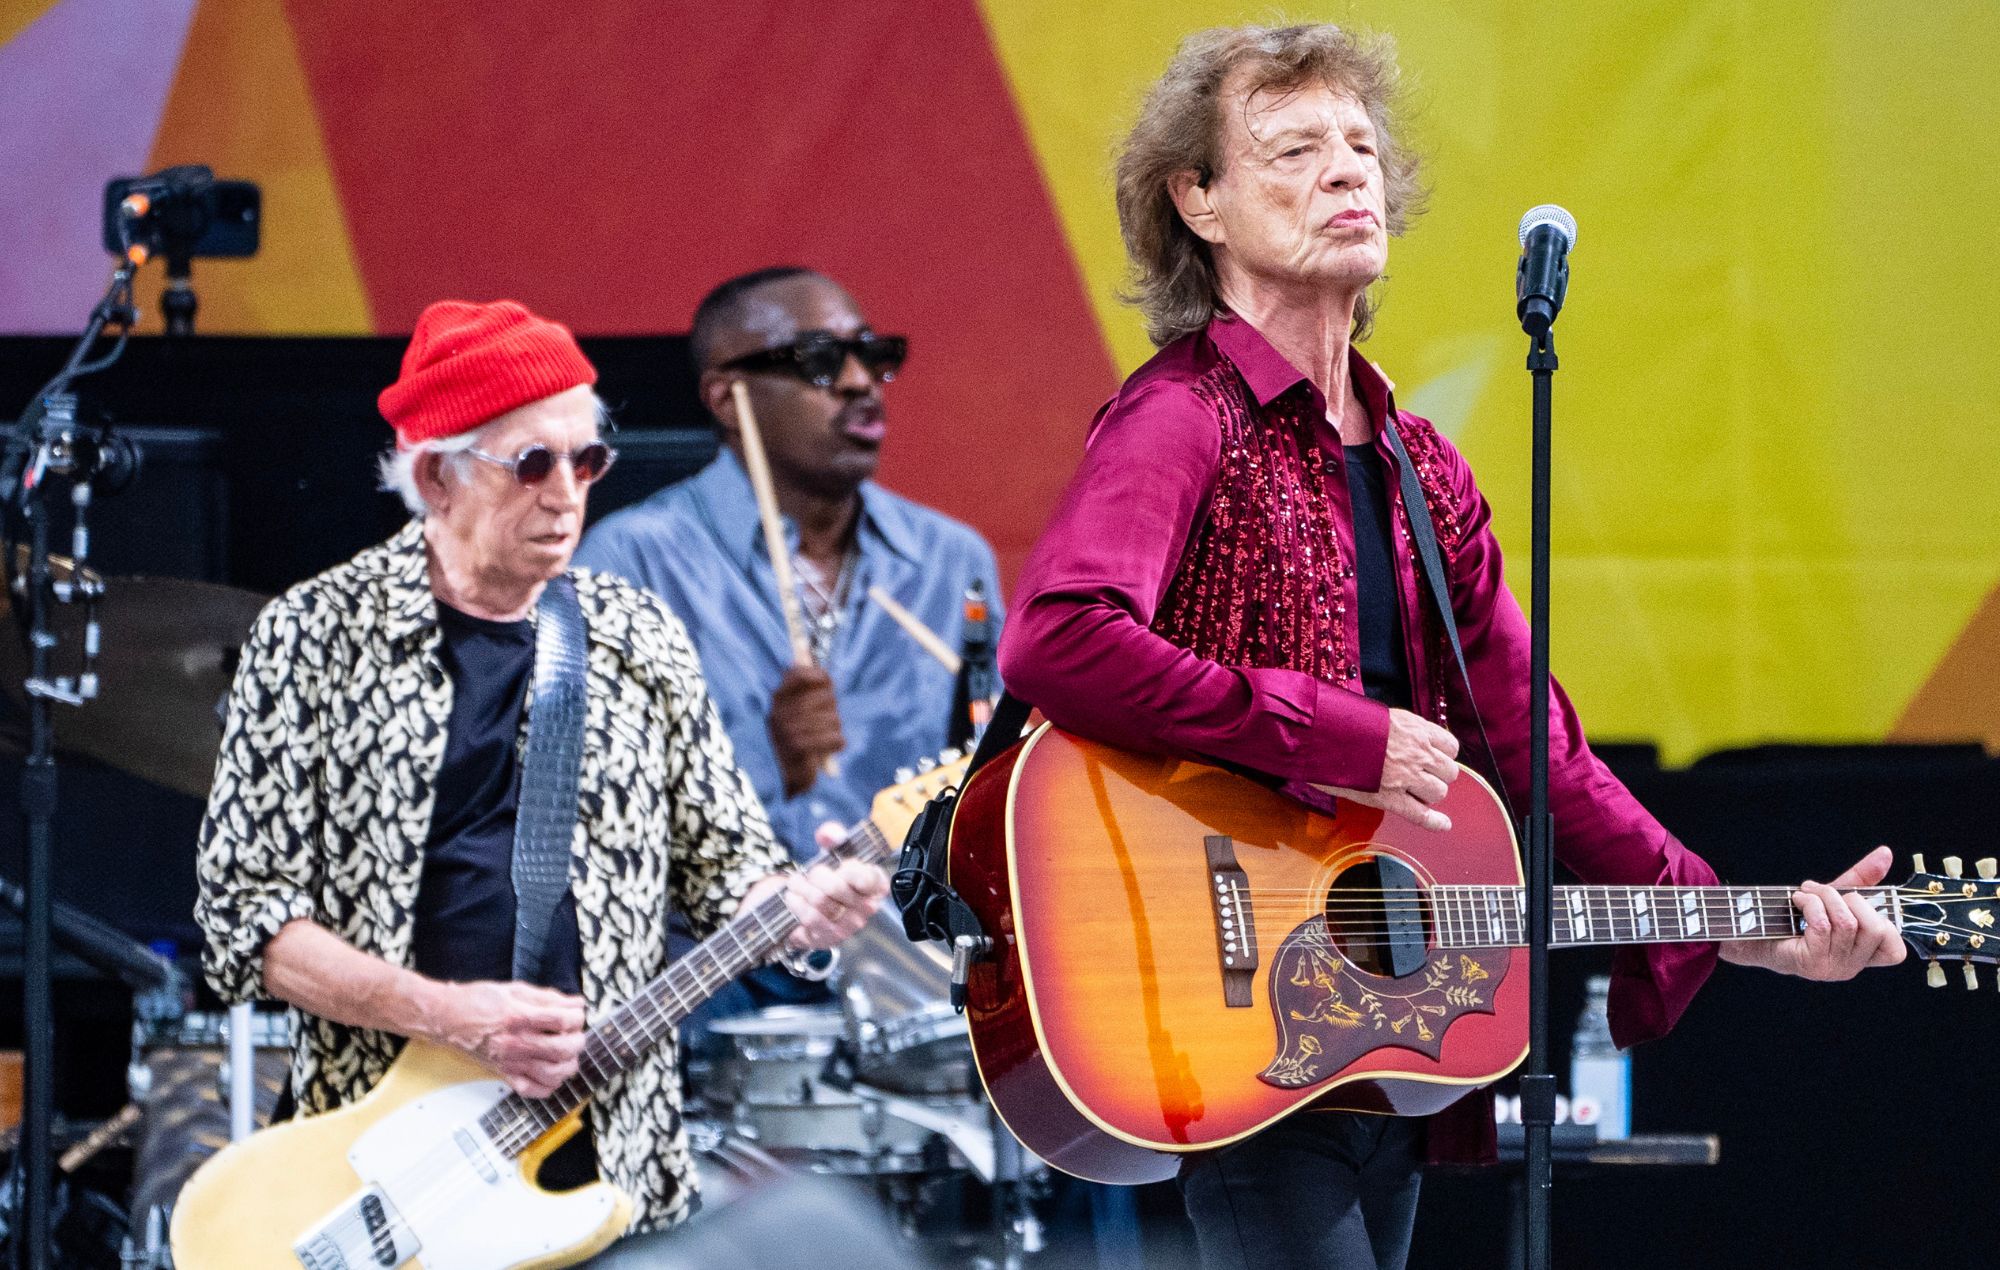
x=1235, y=922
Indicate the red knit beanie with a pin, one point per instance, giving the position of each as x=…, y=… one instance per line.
x=468, y=364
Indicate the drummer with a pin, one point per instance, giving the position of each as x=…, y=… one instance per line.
x=814, y=370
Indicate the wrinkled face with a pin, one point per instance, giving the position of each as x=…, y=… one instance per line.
x=825, y=440
x=509, y=534
x=1300, y=195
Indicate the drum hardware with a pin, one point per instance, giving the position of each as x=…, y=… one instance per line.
x=169, y=651
x=181, y=1071
x=881, y=1092
x=148, y=1250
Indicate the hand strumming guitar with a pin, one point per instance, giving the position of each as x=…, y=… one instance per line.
x=531, y=1037
x=1417, y=771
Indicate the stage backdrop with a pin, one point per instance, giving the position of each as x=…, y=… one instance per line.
x=1776, y=466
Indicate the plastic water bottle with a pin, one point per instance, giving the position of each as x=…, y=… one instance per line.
x=1600, y=1074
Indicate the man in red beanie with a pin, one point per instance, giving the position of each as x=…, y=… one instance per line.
x=382, y=803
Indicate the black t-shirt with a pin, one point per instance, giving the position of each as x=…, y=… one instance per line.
x=465, y=902
x=1385, y=669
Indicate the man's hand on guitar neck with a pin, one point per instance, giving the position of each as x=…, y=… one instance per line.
x=1844, y=933
x=832, y=900
x=1417, y=771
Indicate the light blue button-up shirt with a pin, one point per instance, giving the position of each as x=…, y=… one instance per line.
x=698, y=545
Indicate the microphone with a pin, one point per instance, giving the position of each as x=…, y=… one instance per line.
x=1541, y=279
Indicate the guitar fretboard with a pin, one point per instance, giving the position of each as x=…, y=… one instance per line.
x=621, y=1038
x=1497, y=916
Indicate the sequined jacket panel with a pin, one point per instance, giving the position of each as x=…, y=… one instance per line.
x=322, y=803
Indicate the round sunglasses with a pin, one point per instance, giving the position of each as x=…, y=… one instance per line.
x=533, y=465
x=817, y=356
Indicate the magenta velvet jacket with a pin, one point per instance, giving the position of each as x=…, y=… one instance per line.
x=1084, y=646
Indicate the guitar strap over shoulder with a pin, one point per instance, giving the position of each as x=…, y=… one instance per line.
x=545, y=820
x=1425, y=533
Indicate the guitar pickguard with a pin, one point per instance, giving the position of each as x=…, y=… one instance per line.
x=1329, y=1013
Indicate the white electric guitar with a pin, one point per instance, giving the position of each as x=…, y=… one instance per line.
x=436, y=1166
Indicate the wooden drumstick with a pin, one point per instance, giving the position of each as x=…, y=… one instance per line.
x=774, y=537
x=927, y=639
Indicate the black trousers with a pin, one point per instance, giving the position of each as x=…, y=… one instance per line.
x=1323, y=1190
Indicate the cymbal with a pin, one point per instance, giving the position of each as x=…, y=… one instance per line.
x=783, y=1020
x=168, y=652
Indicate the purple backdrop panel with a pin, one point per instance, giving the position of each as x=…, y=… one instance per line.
x=81, y=92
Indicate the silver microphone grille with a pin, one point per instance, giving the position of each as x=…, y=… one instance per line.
x=1549, y=214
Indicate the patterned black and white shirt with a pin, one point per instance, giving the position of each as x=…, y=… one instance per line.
x=322, y=804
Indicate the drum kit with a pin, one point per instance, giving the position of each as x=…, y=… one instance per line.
x=879, y=1089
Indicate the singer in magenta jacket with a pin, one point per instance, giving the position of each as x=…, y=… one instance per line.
x=1082, y=644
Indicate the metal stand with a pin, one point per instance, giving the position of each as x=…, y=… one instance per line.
x=1014, y=1217
x=179, y=302
x=1538, y=1086
x=50, y=442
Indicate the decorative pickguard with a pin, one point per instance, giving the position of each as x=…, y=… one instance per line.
x=1330, y=1014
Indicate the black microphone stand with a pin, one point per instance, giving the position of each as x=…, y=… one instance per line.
x=50, y=442
x=1538, y=1085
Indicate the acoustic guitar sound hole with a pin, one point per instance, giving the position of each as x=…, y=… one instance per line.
x=1379, y=917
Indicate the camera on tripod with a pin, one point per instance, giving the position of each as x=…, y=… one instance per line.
x=180, y=213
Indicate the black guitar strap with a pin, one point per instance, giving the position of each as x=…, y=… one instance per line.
x=1425, y=533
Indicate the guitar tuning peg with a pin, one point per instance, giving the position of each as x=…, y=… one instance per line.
x=904, y=776
x=1935, y=975
x=952, y=755
x=1954, y=867
x=926, y=764
x=1988, y=868
x=1917, y=859
x=1971, y=977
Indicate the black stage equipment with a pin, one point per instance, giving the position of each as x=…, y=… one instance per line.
x=180, y=213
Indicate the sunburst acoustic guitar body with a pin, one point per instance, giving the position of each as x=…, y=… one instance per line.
x=1184, y=957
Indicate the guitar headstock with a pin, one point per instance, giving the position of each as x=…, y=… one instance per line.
x=895, y=808
x=1949, y=915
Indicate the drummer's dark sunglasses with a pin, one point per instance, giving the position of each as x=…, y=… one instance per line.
x=817, y=356
x=533, y=465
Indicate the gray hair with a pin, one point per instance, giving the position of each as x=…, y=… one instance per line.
x=398, y=467
x=1179, y=129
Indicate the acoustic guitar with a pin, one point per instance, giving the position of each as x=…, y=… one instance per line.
x=435, y=1167
x=1183, y=957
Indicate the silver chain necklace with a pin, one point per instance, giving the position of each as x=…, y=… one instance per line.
x=822, y=604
